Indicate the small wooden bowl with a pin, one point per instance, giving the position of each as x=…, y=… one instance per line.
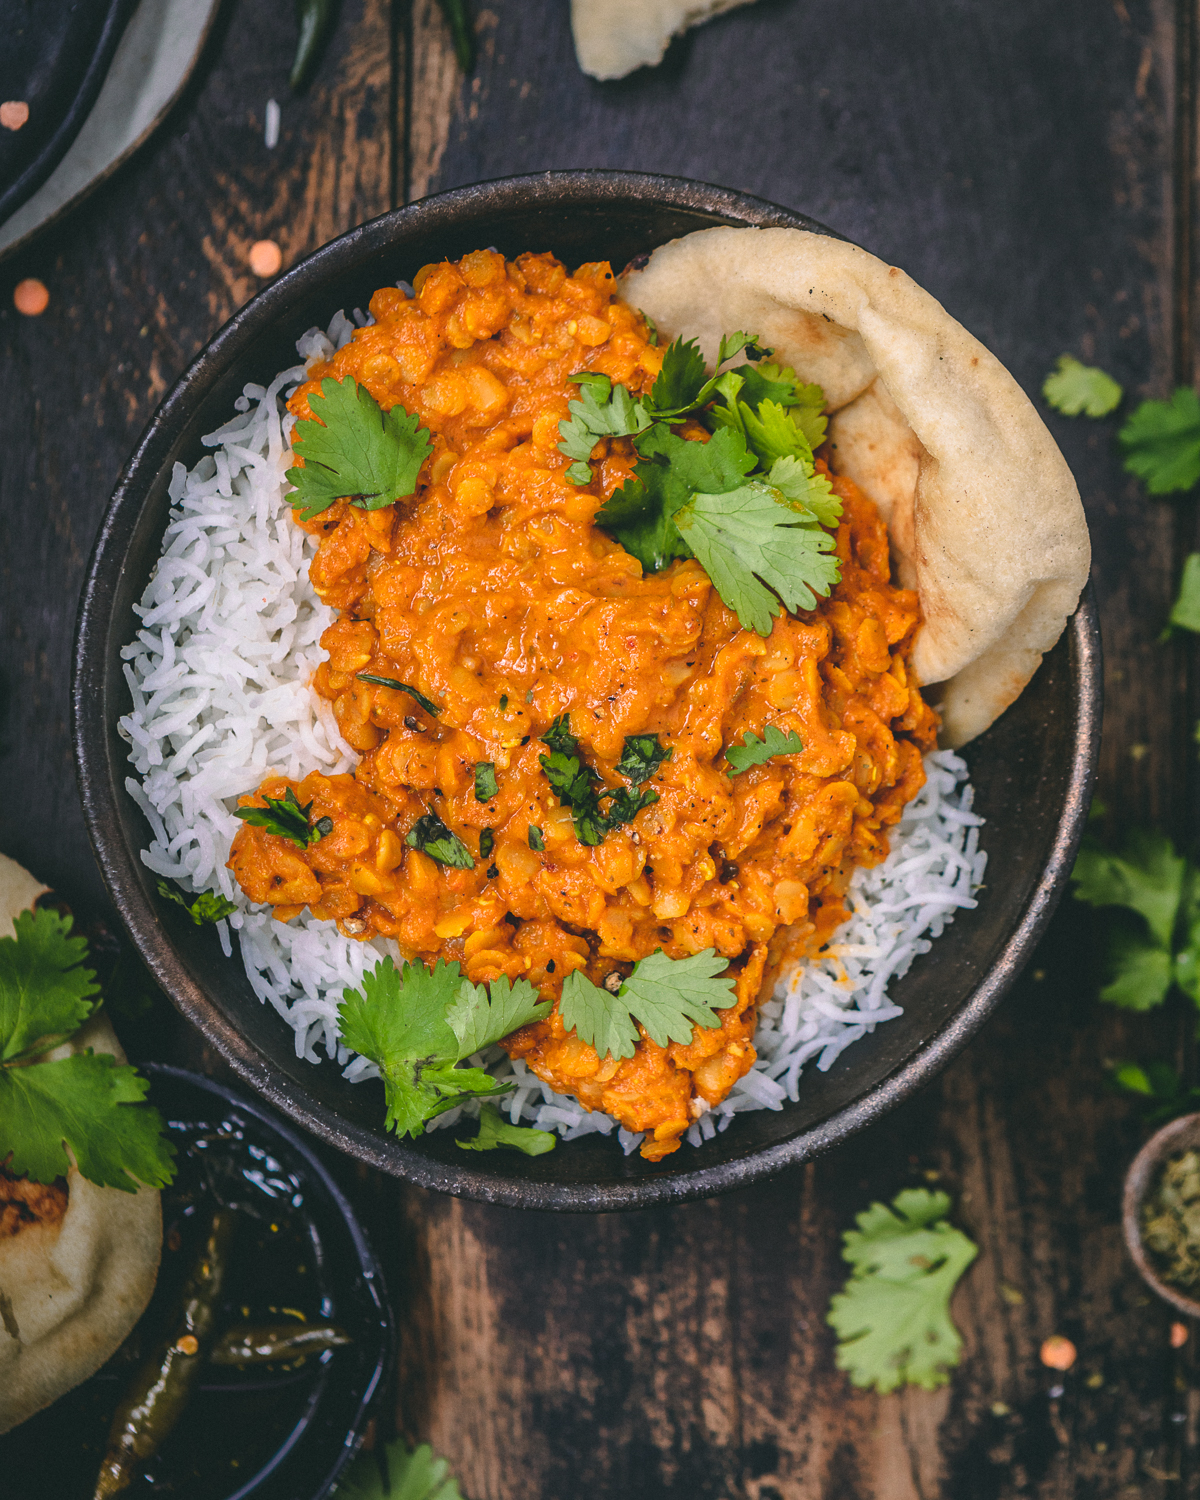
x=1180, y=1135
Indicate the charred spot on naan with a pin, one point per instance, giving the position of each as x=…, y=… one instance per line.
x=26, y=1205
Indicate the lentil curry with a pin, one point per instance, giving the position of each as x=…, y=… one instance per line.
x=493, y=592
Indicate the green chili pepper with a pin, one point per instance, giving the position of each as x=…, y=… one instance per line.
x=461, y=31
x=314, y=17
x=270, y=1343
x=163, y=1386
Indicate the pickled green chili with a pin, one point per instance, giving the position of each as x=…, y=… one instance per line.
x=272, y=1343
x=163, y=1385
x=314, y=17
x=462, y=33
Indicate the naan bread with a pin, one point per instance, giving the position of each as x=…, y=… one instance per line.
x=984, y=516
x=613, y=37
x=74, y=1278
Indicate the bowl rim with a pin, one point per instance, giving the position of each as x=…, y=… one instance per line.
x=98, y=782
x=1165, y=1141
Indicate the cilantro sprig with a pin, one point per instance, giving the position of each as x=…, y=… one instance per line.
x=417, y=1025
x=1076, y=389
x=756, y=752
x=354, y=451
x=748, y=504
x=284, y=817
x=668, y=996
x=579, y=787
x=1161, y=441
x=495, y=1131
x=205, y=909
x=396, y=1473
x=85, y=1102
x=892, y=1317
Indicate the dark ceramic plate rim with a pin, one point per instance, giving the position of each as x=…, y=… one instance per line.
x=372, y=1273
x=99, y=781
x=40, y=168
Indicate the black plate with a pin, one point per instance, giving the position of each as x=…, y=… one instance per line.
x=54, y=57
x=1032, y=770
x=291, y=1432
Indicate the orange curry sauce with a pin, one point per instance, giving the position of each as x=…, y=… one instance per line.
x=495, y=595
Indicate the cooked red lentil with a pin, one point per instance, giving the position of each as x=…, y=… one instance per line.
x=496, y=596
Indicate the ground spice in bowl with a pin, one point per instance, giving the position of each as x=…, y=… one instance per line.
x=1170, y=1219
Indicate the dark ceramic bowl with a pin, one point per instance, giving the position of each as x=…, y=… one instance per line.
x=270, y=1432
x=1032, y=770
x=1172, y=1140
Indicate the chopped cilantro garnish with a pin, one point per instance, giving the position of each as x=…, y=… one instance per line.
x=486, y=786
x=487, y=842
x=495, y=1131
x=85, y=1102
x=893, y=1315
x=208, y=907
x=1162, y=442
x=355, y=451
x=536, y=838
x=503, y=702
x=284, y=817
x=417, y=1025
x=755, y=752
x=652, y=328
x=400, y=687
x=579, y=787
x=431, y=836
x=669, y=996
x=1077, y=389
x=641, y=756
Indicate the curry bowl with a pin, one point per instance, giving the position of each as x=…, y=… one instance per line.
x=1032, y=770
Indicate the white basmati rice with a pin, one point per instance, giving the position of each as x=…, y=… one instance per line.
x=219, y=673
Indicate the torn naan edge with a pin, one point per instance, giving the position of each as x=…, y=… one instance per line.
x=984, y=517
x=613, y=37
x=77, y=1263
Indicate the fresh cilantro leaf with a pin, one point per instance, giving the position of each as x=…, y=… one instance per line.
x=1185, y=612
x=603, y=410
x=734, y=343
x=431, y=836
x=536, y=839
x=93, y=1106
x=477, y=1020
x=892, y=1317
x=749, y=542
x=393, y=1473
x=755, y=752
x=284, y=817
x=355, y=451
x=799, y=486
x=1159, y=1085
x=652, y=326
x=669, y=996
x=1138, y=971
x=486, y=786
x=641, y=756
x=778, y=383
x=625, y=805
x=487, y=842
x=1186, y=963
x=401, y=687
x=1162, y=442
x=1147, y=877
x=400, y=1021
x=45, y=993
x=1077, y=389
x=681, y=379
x=773, y=432
x=495, y=1131
x=208, y=907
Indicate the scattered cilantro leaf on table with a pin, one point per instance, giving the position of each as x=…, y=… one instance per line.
x=495, y=1131
x=486, y=785
x=755, y=752
x=1185, y=612
x=892, y=1317
x=418, y=1024
x=669, y=996
x=1160, y=1088
x=401, y=687
x=45, y=993
x=431, y=836
x=1162, y=443
x=96, y=1108
x=355, y=451
x=1076, y=389
x=284, y=817
x=207, y=908
x=395, y=1473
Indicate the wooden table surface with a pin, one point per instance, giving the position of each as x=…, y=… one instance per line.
x=1028, y=163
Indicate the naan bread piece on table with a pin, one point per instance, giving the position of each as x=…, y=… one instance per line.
x=613, y=37
x=984, y=516
x=77, y=1263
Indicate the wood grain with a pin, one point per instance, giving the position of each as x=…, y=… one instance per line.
x=1018, y=161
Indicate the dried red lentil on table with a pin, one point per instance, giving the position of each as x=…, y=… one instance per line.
x=495, y=595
